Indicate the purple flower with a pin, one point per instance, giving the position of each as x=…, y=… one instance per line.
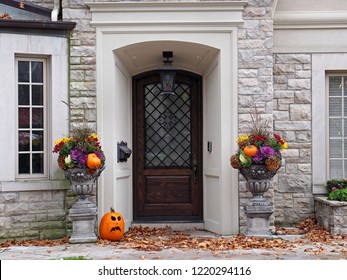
x=258, y=157
x=267, y=151
x=99, y=155
x=83, y=160
x=278, y=154
x=79, y=157
x=75, y=155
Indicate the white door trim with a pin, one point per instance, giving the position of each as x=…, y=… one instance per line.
x=202, y=27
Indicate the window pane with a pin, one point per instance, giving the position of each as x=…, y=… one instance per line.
x=335, y=86
x=31, y=108
x=23, y=117
x=37, y=72
x=37, y=163
x=23, y=95
x=24, y=140
x=23, y=71
x=37, y=140
x=336, y=169
x=335, y=107
x=335, y=128
x=335, y=148
x=24, y=163
x=37, y=95
x=37, y=118
x=345, y=87
x=168, y=120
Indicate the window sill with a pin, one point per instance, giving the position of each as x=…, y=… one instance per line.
x=320, y=190
x=33, y=185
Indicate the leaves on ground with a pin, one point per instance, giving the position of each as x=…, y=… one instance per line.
x=148, y=239
x=316, y=233
x=44, y=242
x=157, y=239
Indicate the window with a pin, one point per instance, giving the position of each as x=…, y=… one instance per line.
x=337, y=126
x=31, y=118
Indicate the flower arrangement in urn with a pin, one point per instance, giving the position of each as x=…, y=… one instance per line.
x=259, y=147
x=81, y=150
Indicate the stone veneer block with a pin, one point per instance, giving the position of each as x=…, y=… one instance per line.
x=331, y=215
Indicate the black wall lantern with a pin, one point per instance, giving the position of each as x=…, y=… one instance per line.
x=167, y=74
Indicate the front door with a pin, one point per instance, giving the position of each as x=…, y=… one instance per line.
x=167, y=149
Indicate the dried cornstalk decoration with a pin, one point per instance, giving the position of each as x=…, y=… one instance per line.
x=259, y=125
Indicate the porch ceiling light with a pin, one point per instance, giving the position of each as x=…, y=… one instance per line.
x=167, y=74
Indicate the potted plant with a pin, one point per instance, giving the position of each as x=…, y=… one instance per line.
x=258, y=158
x=259, y=152
x=81, y=158
x=331, y=210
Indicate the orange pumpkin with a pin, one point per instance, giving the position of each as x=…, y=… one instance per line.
x=93, y=162
x=250, y=150
x=112, y=226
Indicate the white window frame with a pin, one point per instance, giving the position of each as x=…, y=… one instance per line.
x=44, y=175
x=322, y=65
x=328, y=75
x=55, y=50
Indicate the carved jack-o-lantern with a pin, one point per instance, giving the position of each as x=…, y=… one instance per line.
x=112, y=226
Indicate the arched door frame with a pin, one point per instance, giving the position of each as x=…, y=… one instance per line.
x=170, y=188
x=213, y=25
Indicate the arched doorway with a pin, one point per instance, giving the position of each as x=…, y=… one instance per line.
x=204, y=41
x=167, y=139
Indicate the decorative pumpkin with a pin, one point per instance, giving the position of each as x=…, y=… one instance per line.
x=112, y=226
x=93, y=162
x=250, y=150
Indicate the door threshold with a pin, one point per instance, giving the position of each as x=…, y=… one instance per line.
x=173, y=225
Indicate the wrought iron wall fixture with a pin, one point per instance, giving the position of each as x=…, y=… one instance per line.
x=123, y=152
x=167, y=74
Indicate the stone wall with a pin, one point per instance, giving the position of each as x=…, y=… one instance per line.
x=292, y=119
x=278, y=85
x=82, y=64
x=255, y=42
x=32, y=215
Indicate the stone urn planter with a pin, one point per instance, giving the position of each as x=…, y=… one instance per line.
x=258, y=158
x=83, y=212
x=258, y=210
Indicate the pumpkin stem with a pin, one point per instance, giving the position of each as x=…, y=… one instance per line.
x=112, y=210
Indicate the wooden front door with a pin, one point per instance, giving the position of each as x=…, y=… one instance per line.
x=167, y=149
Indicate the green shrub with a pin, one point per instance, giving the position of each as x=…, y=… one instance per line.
x=338, y=194
x=336, y=184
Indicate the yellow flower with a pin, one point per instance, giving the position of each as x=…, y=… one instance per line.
x=242, y=138
x=285, y=145
x=93, y=136
x=64, y=140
